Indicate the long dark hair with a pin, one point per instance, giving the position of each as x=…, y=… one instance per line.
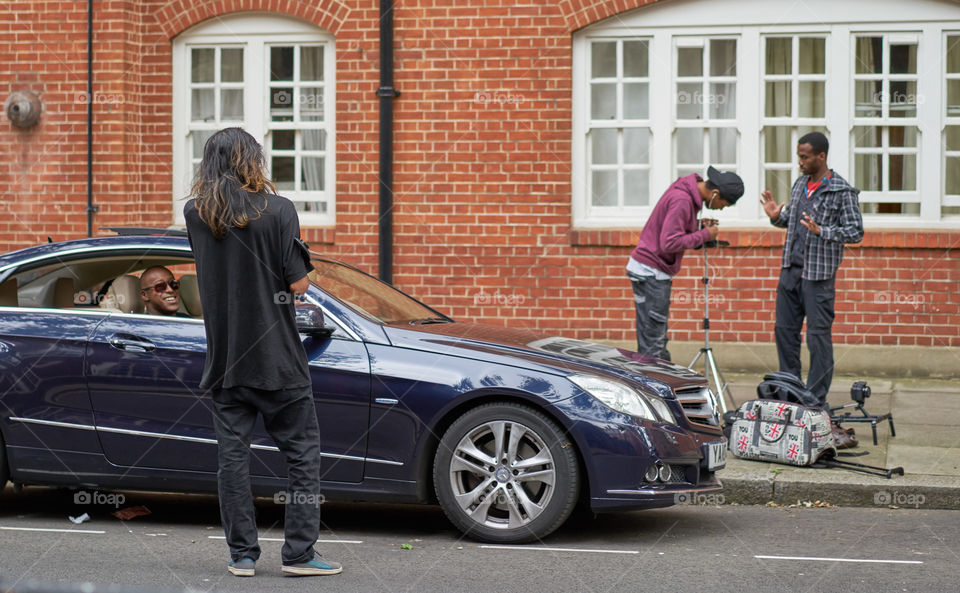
x=231, y=173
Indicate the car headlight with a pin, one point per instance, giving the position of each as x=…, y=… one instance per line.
x=663, y=410
x=616, y=396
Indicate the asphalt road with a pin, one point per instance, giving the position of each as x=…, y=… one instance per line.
x=737, y=549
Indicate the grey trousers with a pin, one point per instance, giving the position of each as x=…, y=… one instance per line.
x=798, y=298
x=290, y=418
x=651, y=299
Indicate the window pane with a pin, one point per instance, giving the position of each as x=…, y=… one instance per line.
x=869, y=171
x=202, y=106
x=902, y=136
x=202, y=64
x=903, y=172
x=636, y=146
x=604, y=191
x=603, y=145
x=723, y=100
x=231, y=104
x=690, y=100
x=690, y=145
x=869, y=57
x=723, y=145
x=952, y=134
x=953, y=98
x=312, y=176
x=311, y=63
x=813, y=55
x=635, y=58
x=281, y=104
x=636, y=102
x=779, y=183
x=283, y=139
x=603, y=101
x=778, y=100
x=723, y=57
x=282, y=170
x=231, y=64
x=636, y=187
x=689, y=61
x=777, y=146
x=281, y=63
x=867, y=137
x=198, y=140
x=314, y=139
x=603, y=59
x=868, y=98
x=811, y=99
x=953, y=54
x=779, y=55
x=903, y=59
x=903, y=98
x=953, y=176
x=311, y=104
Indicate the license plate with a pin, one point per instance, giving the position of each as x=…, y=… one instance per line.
x=716, y=455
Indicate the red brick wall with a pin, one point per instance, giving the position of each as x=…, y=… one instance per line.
x=482, y=170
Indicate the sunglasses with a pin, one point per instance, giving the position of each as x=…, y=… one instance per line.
x=162, y=286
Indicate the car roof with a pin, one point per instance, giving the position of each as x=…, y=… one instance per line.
x=93, y=243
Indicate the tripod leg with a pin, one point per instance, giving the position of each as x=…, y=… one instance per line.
x=695, y=359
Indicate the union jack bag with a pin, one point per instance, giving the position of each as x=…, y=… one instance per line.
x=781, y=432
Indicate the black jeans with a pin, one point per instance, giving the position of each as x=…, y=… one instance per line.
x=290, y=418
x=814, y=299
x=651, y=299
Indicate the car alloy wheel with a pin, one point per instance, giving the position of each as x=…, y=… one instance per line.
x=506, y=473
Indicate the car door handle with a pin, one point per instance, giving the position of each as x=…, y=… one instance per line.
x=131, y=343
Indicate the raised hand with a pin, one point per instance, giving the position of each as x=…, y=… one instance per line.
x=770, y=206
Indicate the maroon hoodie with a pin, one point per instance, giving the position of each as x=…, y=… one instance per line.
x=672, y=227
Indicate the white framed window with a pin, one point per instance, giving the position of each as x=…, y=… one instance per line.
x=731, y=85
x=273, y=76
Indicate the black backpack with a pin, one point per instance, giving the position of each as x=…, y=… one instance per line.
x=786, y=387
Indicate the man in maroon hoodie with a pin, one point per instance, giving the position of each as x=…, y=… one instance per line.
x=671, y=229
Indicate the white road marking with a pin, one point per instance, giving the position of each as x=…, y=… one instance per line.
x=863, y=560
x=87, y=531
x=547, y=549
x=280, y=539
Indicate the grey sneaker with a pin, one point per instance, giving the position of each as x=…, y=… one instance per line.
x=317, y=566
x=245, y=567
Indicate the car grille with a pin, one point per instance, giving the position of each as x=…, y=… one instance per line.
x=698, y=405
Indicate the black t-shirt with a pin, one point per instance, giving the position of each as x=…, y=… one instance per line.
x=248, y=310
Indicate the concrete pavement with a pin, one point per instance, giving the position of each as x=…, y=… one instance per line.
x=926, y=416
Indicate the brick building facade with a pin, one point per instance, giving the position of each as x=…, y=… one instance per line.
x=487, y=173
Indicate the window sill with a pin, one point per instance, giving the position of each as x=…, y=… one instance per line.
x=774, y=237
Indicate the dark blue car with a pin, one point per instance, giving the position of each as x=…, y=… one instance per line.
x=507, y=429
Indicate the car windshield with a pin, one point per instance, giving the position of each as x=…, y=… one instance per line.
x=369, y=296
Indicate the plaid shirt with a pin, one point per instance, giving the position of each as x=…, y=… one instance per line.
x=837, y=210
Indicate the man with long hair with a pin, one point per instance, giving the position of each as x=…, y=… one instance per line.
x=244, y=238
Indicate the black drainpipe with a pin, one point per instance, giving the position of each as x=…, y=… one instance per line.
x=90, y=207
x=386, y=92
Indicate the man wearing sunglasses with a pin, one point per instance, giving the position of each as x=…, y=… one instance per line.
x=160, y=292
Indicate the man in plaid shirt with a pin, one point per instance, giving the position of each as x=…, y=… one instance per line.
x=823, y=214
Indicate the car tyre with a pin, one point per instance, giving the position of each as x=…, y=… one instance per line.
x=506, y=473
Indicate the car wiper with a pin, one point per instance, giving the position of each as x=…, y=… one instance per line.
x=427, y=320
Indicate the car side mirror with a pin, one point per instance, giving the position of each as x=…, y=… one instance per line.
x=310, y=321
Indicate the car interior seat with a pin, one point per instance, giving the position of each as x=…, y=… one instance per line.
x=190, y=296
x=8, y=294
x=123, y=295
x=64, y=293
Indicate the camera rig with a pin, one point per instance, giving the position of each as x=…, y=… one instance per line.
x=859, y=392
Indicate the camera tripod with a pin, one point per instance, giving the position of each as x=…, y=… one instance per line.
x=717, y=386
